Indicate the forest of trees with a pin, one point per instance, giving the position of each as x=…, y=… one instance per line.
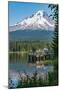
x=27, y=45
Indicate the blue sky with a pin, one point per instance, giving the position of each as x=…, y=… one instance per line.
x=20, y=10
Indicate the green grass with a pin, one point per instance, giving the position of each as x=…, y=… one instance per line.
x=50, y=61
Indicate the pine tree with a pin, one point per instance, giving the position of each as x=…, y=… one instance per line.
x=54, y=15
x=54, y=9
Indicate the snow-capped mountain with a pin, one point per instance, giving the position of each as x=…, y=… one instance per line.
x=39, y=20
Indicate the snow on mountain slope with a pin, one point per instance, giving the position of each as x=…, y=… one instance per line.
x=39, y=20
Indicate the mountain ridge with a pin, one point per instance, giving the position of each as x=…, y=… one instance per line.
x=40, y=20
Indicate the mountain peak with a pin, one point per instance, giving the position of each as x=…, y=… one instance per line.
x=40, y=12
x=39, y=20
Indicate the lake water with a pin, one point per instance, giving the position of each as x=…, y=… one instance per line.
x=18, y=65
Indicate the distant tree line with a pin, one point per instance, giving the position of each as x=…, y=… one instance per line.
x=27, y=45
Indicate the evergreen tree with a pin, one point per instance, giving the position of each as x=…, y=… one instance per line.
x=54, y=15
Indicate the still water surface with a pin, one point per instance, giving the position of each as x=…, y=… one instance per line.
x=18, y=64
